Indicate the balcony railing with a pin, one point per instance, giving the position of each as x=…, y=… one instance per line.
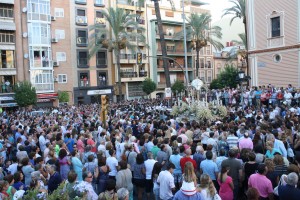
x=99, y=20
x=143, y=74
x=82, y=62
x=128, y=74
x=132, y=3
x=82, y=41
x=7, y=89
x=41, y=63
x=84, y=83
x=81, y=20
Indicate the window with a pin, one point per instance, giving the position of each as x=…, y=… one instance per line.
x=201, y=63
x=170, y=48
x=62, y=78
x=81, y=18
x=61, y=56
x=277, y=58
x=7, y=37
x=275, y=26
x=208, y=50
x=82, y=38
x=39, y=33
x=6, y=59
x=102, y=78
x=82, y=2
x=101, y=59
x=153, y=12
x=58, y=12
x=6, y=11
x=169, y=14
x=59, y=34
x=42, y=80
x=38, y=10
x=99, y=3
x=84, y=79
x=40, y=57
x=80, y=12
x=82, y=59
x=99, y=19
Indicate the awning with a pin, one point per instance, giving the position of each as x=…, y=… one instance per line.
x=8, y=26
x=7, y=1
x=99, y=92
x=7, y=47
x=8, y=71
x=47, y=96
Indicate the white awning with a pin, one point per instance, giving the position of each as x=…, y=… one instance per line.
x=7, y=47
x=7, y=1
x=8, y=72
x=8, y=26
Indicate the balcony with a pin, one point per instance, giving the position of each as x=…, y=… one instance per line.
x=82, y=63
x=177, y=52
x=8, y=89
x=38, y=63
x=161, y=85
x=100, y=21
x=130, y=58
x=174, y=68
x=128, y=3
x=81, y=2
x=143, y=74
x=84, y=83
x=81, y=20
x=82, y=41
x=128, y=74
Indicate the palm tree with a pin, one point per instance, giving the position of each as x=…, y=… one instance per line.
x=238, y=10
x=201, y=33
x=162, y=42
x=119, y=21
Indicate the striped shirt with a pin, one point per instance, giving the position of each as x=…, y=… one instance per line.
x=232, y=141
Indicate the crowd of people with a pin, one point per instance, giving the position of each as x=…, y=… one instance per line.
x=143, y=152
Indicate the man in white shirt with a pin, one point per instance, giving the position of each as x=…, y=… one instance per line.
x=149, y=167
x=166, y=182
x=13, y=168
x=42, y=141
x=112, y=163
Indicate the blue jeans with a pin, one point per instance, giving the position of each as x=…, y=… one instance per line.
x=156, y=193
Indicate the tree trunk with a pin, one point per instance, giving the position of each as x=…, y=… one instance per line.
x=246, y=38
x=162, y=43
x=197, y=62
x=117, y=54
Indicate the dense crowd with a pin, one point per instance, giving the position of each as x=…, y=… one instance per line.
x=143, y=152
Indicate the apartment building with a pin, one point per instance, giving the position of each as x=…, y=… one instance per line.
x=132, y=73
x=273, y=42
x=8, y=69
x=171, y=13
x=229, y=55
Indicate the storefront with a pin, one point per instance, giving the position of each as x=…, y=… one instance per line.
x=7, y=102
x=46, y=99
x=91, y=94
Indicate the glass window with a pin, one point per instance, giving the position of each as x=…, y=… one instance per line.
x=59, y=12
x=83, y=79
x=61, y=56
x=60, y=34
x=99, y=14
x=201, y=63
x=62, y=78
x=82, y=59
x=101, y=58
x=80, y=12
x=7, y=37
x=6, y=11
x=6, y=59
x=99, y=2
x=42, y=80
x=275, y=26
x=102, y=78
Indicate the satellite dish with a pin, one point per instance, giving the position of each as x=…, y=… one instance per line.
x=26, y=55
x=24, y=9
x=25, y=35
x=197, y=84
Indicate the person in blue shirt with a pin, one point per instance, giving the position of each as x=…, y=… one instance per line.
x=210, y=168
x=69, y=142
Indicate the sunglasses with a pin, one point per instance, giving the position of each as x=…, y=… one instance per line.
x=90, y=176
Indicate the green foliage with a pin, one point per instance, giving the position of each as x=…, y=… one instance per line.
x=177, y=87
x=63, y=96
x=31, y=195
x=149, y=86
x=238, y=10
x=59, y=194
x=25, y=94
x=226, y=78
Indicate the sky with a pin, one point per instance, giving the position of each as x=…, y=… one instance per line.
x=216, y=8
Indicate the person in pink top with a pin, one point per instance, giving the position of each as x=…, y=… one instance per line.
x=245, y=142
x=226, y=184
x=80, y=144
x=260, y=182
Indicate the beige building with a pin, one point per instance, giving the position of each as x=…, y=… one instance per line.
x=273, y=42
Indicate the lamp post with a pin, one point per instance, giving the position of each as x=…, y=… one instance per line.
x=241, y=78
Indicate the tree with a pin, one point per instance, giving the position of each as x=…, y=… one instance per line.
x=63, y=96
x=201, y=33
x=177, y=87
x=149, y=86
x=119, y=21
x=25, y=94
x=162, y=42
x=238, y=10
x=226, y=78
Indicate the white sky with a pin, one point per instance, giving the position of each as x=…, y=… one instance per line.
x=216, y=8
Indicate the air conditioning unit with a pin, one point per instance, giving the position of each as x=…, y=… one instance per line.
x=55, y=63
x=53, y=18
x=54, y=40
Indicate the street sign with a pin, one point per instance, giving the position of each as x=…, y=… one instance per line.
x=168, y=93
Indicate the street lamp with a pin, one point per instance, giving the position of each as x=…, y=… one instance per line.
x=241, y=78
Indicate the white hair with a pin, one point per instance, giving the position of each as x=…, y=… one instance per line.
x=292, y=179
x=122, y=193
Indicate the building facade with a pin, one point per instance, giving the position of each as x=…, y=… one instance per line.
x=171, y=13
x=273, y=42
